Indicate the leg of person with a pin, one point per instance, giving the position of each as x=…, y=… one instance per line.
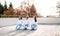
x=25, y=26
x=18, y=26
x=33, y=27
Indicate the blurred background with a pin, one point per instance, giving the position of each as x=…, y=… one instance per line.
x=40, y=8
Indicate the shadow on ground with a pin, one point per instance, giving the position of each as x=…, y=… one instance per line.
x=18, y=33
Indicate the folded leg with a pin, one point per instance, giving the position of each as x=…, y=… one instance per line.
x=33, y=26
x=18, y=26
x=25, y=26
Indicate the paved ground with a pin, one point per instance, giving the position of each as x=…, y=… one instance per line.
x=42, y=30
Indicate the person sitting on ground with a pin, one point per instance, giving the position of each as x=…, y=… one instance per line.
x=26, y=24
x=34, y=23
x=19, y=23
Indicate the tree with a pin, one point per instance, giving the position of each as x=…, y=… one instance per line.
x=58, y=7
x=1, y=8
x=5, y=6
x=10, y=11
x=33, y=10
x=10, y=5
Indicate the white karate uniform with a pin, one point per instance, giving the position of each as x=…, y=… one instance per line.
x=19, y=24
x=33, y=24
x=26, y=24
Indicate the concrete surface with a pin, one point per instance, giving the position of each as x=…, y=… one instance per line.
x=42, y=30
x=13, y=21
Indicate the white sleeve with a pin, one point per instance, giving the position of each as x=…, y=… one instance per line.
x=18, y=22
